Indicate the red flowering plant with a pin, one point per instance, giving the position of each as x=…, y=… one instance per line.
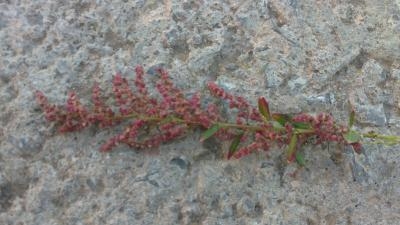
x=150, y=121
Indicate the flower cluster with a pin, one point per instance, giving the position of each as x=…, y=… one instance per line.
x=152, y=120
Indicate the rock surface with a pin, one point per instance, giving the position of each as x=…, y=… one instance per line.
x=306, y=55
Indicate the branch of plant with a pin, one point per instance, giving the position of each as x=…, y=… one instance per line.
x=172, y=115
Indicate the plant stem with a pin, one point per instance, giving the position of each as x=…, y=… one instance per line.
x=387, y=139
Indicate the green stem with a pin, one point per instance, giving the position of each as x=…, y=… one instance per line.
x=386, y=139
x=243, y=127
x=179, y=120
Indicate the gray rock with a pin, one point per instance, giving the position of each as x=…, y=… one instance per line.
x=326, y=99
x=297, y=84
x=246, y=206
x=396, y=74
x=301, y=55
x=180, y=162
x=373, y=115
x=373, y=73
x=62, y=67
x=203, y=60
x=273, y=80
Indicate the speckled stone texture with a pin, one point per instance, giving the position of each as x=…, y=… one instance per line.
x=302, y=55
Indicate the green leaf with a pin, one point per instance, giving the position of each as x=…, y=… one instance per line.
x=234, y=145
x=277, y=126
x=352, y=137
x=300, y=159
x=282, y=119
x=290, y=153
x=210, y=132
x=301, y=125
x=263, y=108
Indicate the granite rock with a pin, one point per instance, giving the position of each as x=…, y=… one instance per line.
x=307, y=55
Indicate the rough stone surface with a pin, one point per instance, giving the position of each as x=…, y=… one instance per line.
x=305, y=55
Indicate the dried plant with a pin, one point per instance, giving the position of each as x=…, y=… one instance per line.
x=152, y=120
